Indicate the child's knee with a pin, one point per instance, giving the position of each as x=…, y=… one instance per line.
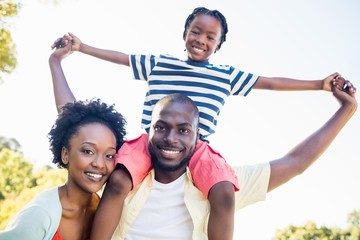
x=222, y=194
x=119, y=181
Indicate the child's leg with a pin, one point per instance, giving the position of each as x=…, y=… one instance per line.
x=218, y=182
x=133, y=163
x=222, y=208
x=109, y=211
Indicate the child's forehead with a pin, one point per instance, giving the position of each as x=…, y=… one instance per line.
x=205, y=18
x=206, y=22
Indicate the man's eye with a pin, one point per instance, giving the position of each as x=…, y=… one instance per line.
x=185, y=131
x=158, y=128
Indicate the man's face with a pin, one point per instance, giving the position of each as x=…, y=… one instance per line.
x=173, y=135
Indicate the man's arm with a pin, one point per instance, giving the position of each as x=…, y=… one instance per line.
x=309, y=150
x=62, y=91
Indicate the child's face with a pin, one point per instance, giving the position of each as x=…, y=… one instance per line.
x=203, y=38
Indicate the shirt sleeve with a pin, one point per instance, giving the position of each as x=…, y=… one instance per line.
x=38, y=220
x=32, y=223
x=141, y=66
x=253, y=182
x=242, y=82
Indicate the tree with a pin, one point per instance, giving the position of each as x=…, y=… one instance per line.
x=8, y=61
x=19, y=183
x=10, y=143
x=15, y=171
x=44, y=178
x=354, y=220
x=311, y=232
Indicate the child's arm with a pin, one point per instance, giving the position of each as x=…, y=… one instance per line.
x=289, y=84
x=107, y=55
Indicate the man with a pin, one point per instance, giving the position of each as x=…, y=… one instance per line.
x=166, y=205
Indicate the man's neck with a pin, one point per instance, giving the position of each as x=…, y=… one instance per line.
x=168, y=176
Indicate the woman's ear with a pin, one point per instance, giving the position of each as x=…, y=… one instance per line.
x=65, y=155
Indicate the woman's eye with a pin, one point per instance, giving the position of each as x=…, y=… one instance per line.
x=110, y=156
x=87, y=151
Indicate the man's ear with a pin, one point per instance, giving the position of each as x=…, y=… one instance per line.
x=198, y=134
x=65, y=155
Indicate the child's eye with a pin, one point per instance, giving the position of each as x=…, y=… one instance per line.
x=110, y=156
x=194, y=32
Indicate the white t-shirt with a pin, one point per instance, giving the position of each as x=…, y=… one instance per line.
x=163, y=214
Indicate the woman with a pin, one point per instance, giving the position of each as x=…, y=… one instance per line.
x=84, y=140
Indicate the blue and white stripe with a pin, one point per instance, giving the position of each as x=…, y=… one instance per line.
x=206, y=84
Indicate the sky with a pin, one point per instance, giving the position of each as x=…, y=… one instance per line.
x=298, y=39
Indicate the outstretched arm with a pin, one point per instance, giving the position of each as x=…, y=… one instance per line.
x=107, y=55
x=308, y=151
x=62, y=91
x=289, y=84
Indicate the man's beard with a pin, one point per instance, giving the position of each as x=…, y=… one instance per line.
x=168, y=168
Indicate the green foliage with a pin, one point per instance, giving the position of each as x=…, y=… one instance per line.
x=311, y=232
x=15, y=172
x=8, y=8
x=10, y=143
x=45, y=178
x=8, y=60
x=354, y=219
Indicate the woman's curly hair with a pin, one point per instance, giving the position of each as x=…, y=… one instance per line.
x=204, y=11
x=77, y=114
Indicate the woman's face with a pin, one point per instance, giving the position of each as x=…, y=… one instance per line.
x=90, y=158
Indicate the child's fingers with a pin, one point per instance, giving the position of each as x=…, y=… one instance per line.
x=340, y=83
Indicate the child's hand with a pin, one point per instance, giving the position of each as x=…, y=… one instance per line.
x=75, y=42
x=341, y=84
x=328, y=82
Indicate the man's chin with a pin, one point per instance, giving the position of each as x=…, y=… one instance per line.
x=169, y=168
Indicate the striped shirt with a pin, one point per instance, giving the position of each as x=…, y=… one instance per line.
x=206, y=84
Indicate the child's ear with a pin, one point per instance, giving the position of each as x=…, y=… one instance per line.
x=65, y=155
x=217, y=48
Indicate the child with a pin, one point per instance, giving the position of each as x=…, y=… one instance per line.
x=208, y=85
